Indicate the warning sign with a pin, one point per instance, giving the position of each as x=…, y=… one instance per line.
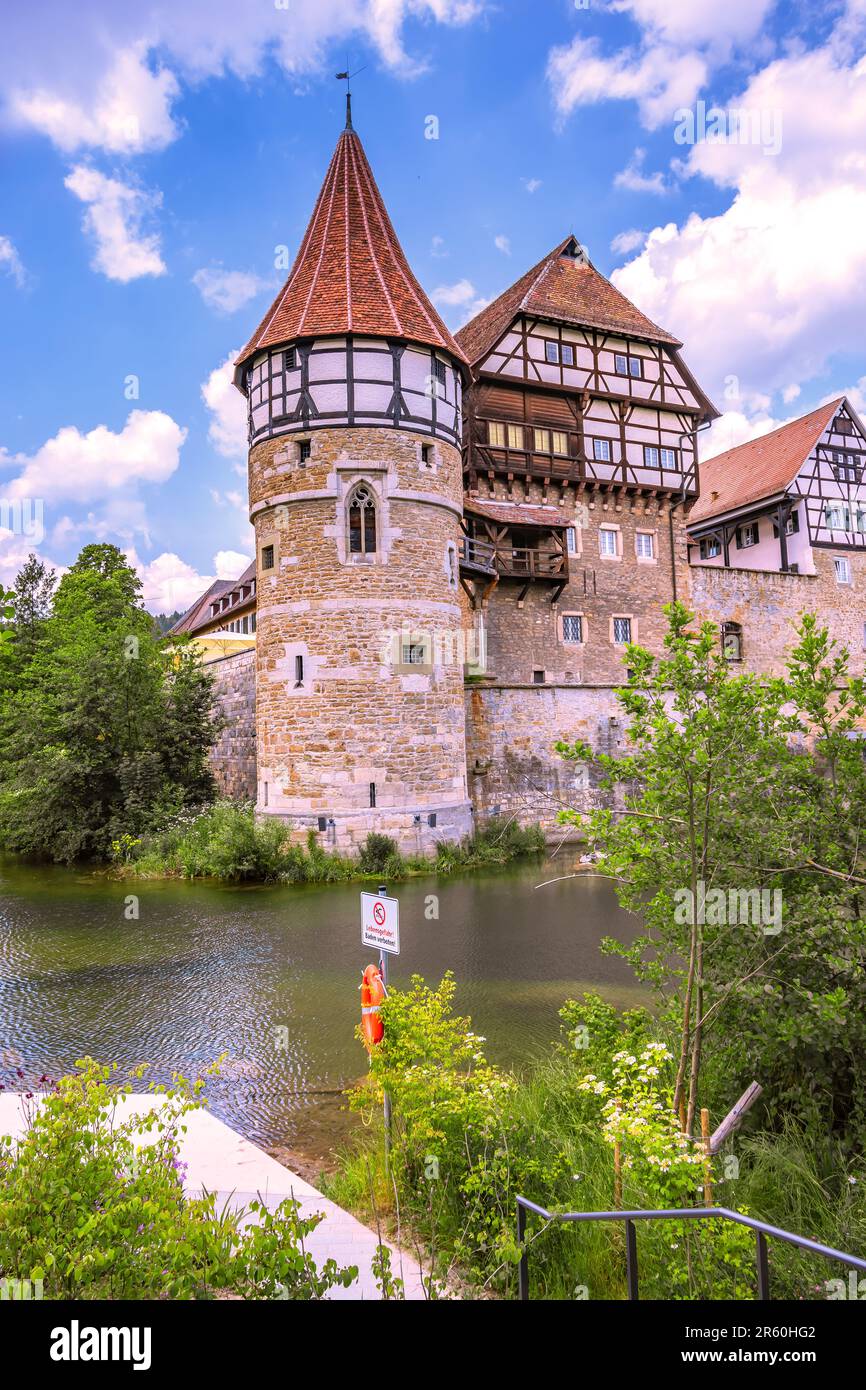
x=380, y=923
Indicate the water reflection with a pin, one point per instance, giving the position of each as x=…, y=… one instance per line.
x=270, y=976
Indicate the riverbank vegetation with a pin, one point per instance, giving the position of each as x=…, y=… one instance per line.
x=735, y=828
x=226, y=842
x=104, y=726
x=105, y=729
x=92, y=1206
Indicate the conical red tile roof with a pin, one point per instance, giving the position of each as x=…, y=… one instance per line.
x=350, y=274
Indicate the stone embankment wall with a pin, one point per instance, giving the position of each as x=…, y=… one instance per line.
x=233, y=756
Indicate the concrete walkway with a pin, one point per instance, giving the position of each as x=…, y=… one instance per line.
x=222, y=1162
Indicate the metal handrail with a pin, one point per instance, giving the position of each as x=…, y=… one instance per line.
x=761, y=1228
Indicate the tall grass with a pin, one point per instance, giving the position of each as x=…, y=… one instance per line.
x=227, y=842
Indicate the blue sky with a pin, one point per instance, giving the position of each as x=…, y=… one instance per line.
x=155, y=155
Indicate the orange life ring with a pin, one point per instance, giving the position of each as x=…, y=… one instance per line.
x=372, y=994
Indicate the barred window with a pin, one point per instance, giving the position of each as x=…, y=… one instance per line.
x=267, y=557
x=572, y=627
x=621, y=631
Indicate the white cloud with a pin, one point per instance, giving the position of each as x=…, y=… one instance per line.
x=228, y=427
x=732, y=428
x=230, y=564
x=11, y=262
x=14, y=550
x=635, y=180
x=227, y=290
x=128, y=112
x=81, y=467
x=625, y=242
x=437, y=248
x=774, y=286
x=98, y=85
x=790, y=393
x=502, y=244
x=531, y=185
x=698, y=21
x=460, y=293
x=660, y=78
x=114, y=217
x=169, y=584
x=462, y=296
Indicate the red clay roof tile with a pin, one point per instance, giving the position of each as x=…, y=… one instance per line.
x=761, y=467
x=350, y=274
x=568, y=290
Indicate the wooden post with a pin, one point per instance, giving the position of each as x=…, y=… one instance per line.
x=683, y=1113
x=708, y=1167
x=734, y=1117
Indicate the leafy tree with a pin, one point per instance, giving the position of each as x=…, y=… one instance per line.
x=737, y=832
x=105, y=729
x=33, y=593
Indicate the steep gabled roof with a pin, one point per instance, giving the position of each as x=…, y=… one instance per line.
x=199, y=611
x=350, y=274
x=566, y=287
x=762, y=467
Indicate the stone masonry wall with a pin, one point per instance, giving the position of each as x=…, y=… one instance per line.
x=233, y=756
x=359, y=717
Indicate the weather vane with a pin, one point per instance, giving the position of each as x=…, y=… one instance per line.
x=347, y=78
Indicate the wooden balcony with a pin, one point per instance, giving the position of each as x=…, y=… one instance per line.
x=518, y=562
x=477, y=557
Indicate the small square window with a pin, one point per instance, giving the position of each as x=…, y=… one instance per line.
x=427, y=454
x=601, y=450
x=645, y=545
x=620, y=362
x=304, y=450
x=267, y=557
x=572, y=627
x=560, y=442
x=621, y=631
x=669, y=458
x=650, y=455
x=838, y=517
x=515, y=436
x=571, y=540
x=732, y=641
x=496, y=434
x=413, y=654
x=538, y=678
x=551, y=352
x=291, y=359
x=541, y=442
x=635, y=366
x=747, y=535
x=842, y=567
x=439, y=369
x=710, y=547
x=567, y=355
x=607, y=542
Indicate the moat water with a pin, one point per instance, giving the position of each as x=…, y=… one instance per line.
x=270, y=976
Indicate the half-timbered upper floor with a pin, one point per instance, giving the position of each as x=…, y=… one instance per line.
x=770, y=503
x=571, y=382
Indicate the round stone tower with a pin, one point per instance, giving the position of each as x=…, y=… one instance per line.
x=353, y=386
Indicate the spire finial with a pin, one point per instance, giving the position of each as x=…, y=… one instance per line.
x=347, y=78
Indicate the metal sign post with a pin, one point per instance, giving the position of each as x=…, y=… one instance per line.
x=380, y=928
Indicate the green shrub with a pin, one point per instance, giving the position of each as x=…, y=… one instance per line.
x=379, y=855
x=94, y=1210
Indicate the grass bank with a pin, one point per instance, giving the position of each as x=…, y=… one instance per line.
x=225, y=842
x=468, y=1138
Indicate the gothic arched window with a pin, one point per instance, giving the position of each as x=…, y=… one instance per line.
x=362, y=522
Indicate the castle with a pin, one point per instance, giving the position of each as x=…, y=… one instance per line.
x=457, y=536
